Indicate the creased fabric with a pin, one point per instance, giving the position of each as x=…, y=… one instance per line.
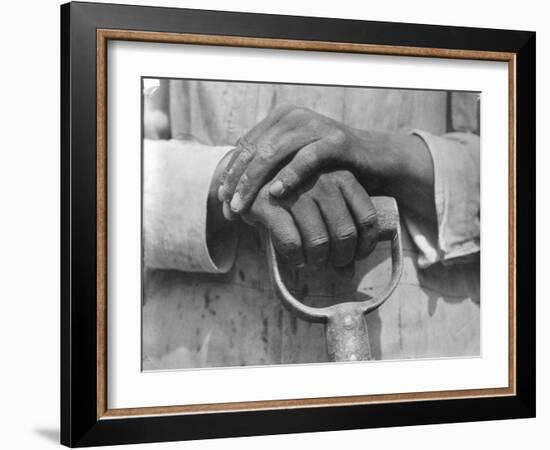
x=175, y=193
x=457, y=201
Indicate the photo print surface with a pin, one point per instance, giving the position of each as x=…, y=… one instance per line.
x=225, y=164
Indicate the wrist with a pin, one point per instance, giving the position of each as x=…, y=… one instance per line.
x=386, y=158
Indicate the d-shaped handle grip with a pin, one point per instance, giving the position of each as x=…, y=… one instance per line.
x=346, y=329
x=387, y=219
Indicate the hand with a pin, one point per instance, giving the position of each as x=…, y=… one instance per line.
x=315, y=140
x=298, y=143
x=329, y=218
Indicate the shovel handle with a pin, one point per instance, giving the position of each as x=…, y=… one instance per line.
x=347, y=336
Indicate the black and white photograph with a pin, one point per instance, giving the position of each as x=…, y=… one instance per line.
x=275, y=225
x=302, y=223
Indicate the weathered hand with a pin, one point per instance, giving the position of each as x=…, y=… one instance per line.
x=293, y=144
x=331, y=217
x=312, y=140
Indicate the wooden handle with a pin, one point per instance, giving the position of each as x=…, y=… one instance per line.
x=388, y=217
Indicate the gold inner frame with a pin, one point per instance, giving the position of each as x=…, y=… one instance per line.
x=103, y=36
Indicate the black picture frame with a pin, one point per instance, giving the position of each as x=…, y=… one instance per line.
x=80, y=425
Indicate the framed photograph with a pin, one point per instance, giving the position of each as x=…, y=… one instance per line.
x=277, y=224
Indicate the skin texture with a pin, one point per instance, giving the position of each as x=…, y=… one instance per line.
x=293, y=144
x=330, y=218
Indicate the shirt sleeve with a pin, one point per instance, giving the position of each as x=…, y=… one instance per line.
x=176, y=183
x=455, y=159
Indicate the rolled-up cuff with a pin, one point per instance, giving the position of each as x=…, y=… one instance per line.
x=176, y=182
x=455, y=158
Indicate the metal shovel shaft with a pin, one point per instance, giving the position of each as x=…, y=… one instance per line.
x=347, y=334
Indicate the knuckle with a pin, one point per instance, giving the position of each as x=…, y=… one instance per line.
x=325, y=193
x=346, y=233
x=248, y=149
x=244, y=158
x=338, y=137
x=287, y=245
x=285, y=174
x=321, y=191
x=326, y=183
x=317, y=243
x=326, y=178
x=369, y=219
x=345, y=176
x=243, y=185
x=266, y=151
x=289, y=249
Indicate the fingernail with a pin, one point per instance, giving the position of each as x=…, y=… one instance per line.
x=221, y=193
x=236, y=203
x=277, y=188
x=227, y=213
x=301, y=265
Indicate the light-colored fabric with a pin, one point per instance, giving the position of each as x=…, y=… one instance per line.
x=219, y=113
x=175, y=194
x=202, y=319
x=456, y=194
